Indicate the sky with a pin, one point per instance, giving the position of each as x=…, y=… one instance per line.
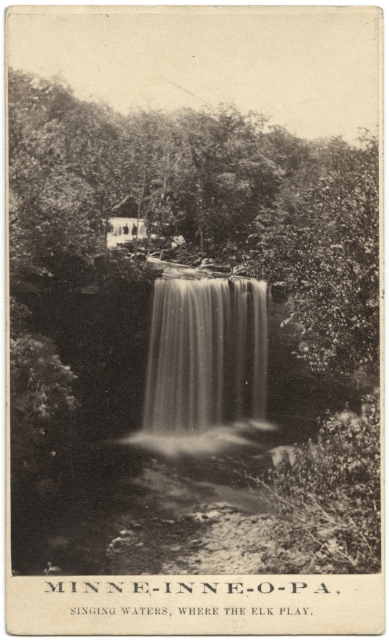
x=314, y=71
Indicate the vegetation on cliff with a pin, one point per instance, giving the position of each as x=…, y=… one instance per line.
x=329, y=498
x=257, y=200
x=291, y=211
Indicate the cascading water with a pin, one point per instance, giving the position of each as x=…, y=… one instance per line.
x=208, y=355
x=259, y=290
x=118, y=233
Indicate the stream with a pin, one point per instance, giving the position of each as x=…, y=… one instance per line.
x=168, y=507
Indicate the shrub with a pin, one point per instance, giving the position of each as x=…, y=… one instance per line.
x=19, y=314
x=41, y=404
x=329, y=498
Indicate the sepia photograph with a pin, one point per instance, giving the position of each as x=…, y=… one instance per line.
x=194, y=295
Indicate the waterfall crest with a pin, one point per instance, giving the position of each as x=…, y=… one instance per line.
x=207, y=356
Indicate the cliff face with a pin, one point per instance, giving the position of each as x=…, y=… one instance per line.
x=296, y=396
x=103, y=336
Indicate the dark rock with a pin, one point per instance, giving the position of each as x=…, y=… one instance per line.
x=279, y=292
x=225, y=268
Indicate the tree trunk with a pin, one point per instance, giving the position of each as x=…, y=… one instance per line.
x=140, y=202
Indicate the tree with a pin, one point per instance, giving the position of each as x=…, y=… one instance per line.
x=222, y=175
x=61, y=174
x=321, y=241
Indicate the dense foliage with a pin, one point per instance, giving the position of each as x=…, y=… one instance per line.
x=302, y=215
x=329, y=498
x=41, y=409
x=321, y=240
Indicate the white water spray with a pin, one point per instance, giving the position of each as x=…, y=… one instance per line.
x=208, y=355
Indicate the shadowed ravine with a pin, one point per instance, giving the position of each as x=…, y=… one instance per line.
x=203, y=431
x=174, y=496
x=154, y=520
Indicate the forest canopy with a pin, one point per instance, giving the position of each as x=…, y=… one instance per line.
x=303, y=214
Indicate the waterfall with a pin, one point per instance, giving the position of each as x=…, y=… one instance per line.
x=117, y=229
x=260, y=349
x=116, y=233
x=207, y=356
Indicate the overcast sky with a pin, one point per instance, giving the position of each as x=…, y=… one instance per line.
x=314, y=72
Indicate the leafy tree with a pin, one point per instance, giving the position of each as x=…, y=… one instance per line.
x=223, y=174
x=60, y=173
x=320, y=240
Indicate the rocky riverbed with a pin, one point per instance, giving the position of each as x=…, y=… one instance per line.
x=168, y=520
x=217, y=539
x=172, y=530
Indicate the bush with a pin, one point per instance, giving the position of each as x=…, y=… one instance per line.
x=41, y=405
x=19, y=314
x=329, y=499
